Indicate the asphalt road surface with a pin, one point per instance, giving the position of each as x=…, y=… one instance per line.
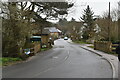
x=65, y=60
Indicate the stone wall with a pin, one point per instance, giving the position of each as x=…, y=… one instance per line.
x=103, y=46
x=36, y=47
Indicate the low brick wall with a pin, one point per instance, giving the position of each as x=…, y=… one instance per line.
x=103, y=46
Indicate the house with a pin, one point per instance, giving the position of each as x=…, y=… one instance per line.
x=45, y=37
x=54, y=32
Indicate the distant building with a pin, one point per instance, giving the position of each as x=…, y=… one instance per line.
x=54, y=32
x=48, y=35
x=45, y=35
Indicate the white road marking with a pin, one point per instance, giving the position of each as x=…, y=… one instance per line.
x=55, y=57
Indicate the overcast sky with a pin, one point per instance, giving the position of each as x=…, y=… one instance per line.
x=97, y=6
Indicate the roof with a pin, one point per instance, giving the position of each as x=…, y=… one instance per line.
x=59, y=30
x=45, y=31
x=53, y=29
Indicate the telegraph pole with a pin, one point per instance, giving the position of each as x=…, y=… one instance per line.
x=109, y=24
x=119, y=21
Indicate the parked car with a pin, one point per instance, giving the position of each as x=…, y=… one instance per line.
x=65, y=38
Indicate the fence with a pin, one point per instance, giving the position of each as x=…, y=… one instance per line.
x=114, y=45
x=37, y=47
x=105, y=46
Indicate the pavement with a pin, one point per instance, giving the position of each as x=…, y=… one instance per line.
x=113, y=60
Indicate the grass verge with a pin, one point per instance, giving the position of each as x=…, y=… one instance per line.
x=81, y=42
x=91, y=46
x=112, y=53
x=5, y=61
x=0, y=61
x=44, y=49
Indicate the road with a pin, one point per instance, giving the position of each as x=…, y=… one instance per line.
x=64, y=60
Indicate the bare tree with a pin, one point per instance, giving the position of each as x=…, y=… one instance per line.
x=103, y=24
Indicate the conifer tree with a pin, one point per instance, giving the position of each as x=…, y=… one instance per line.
x=88, y=22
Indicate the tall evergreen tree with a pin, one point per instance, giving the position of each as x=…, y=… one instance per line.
x=88, y=22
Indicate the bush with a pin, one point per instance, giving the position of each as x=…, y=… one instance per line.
x=23, y=56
